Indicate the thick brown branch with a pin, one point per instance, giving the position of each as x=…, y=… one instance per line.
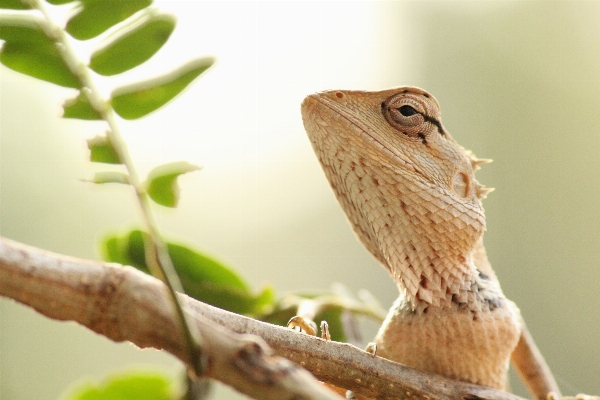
x=122, y=303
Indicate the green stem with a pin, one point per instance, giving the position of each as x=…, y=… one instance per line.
x=156, y=251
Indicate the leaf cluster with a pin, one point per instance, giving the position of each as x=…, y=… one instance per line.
x=32, y=47
x=131, y=32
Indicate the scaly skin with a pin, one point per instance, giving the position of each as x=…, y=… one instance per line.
x=410, y=194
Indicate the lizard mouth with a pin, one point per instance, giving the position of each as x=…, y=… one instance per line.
x=314, y=103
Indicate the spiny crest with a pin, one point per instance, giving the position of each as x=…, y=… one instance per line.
x=476, y=163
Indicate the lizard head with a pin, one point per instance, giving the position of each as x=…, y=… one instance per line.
x=407, y=187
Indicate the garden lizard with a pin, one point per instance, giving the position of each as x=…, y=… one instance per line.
x=410, y=194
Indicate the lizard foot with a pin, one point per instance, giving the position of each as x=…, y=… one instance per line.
x=309, y=327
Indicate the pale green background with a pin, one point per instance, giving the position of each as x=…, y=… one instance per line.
x=517, y=81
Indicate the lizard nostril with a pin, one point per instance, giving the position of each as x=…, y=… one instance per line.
x=339, y=95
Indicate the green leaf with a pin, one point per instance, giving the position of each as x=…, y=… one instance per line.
x=102, y=150
x=38, y=62
x=23, y=28
x=29, y=51
x=80, y=108
x=59, y=2
x=110, y=177
x=127, y=386
x=96, y=16
x=140, y=99
x=162, y=184
x=13, y=5
x=203, y=277
x=133, y=47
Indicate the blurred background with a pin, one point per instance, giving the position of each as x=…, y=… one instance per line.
x=517, y=81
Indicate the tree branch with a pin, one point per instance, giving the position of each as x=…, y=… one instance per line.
x=122, y=303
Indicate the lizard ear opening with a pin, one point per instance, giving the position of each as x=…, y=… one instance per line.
x=461, y=185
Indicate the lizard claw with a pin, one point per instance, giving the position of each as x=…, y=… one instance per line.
x=372, y=349
x=304, y=325
x=325, y=331
x=309, y=327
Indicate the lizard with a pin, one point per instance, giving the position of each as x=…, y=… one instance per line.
x=410, y=194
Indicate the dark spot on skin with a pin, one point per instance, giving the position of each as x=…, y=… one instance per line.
x=483, y=276
x=403, y=205
x=339, y=95
x=425, y=310
x=493, y=304
x=475, y=318
x=405, y=91
x=375, y=181
x=404, y=133
x=422, y=137
x=382, y=105
x=454, y=298
x=425, y=95
x=424, y=282
x=435, y=122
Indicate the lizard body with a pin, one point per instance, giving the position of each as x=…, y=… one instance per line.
x=410, y=194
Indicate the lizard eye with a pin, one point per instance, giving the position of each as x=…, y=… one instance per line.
x=406, y=115
x=407, y=111
x=413, y=114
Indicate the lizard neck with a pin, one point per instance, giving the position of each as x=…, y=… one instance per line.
x=435, y=255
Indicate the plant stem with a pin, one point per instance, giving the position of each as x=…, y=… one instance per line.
x=156, y=251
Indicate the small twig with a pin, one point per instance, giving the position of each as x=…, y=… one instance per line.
x=157, y=255
x=122, y=303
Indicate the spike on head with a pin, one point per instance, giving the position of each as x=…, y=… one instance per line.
x=482, y=191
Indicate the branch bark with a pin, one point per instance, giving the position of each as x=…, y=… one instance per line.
x=122, y=303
